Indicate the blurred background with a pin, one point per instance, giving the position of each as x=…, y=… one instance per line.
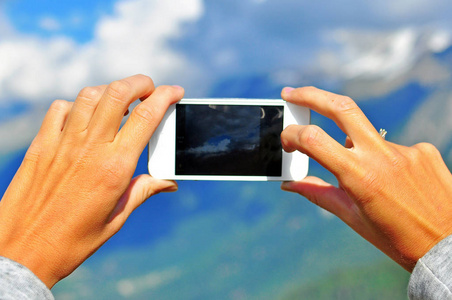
x=232, y=240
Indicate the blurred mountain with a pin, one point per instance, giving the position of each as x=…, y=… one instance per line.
x=10, y=165
x=247, y=86
x=419, y=100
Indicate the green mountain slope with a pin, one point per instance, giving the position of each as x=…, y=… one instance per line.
x=384, y=280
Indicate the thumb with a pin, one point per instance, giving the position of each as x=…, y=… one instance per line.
x=323, y=194
x=140, y=189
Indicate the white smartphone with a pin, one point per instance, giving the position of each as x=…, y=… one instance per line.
x=227, y=139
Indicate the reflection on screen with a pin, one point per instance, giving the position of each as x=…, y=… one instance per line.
x=236, y=140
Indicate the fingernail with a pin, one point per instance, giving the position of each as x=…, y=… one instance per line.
x=286, y=186
x=171, y=189
x=287, y=90
x=178, y=87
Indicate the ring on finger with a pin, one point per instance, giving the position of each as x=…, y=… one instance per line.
x=383, y=133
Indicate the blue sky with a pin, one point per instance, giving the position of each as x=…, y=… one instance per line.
x=46, y=18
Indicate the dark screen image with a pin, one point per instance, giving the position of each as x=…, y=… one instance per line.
x=234, y=140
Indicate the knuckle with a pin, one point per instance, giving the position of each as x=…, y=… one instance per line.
x=427, y=148
x=421, y=154
x=119, y=90
x=60, y=105
x=165, y=90
x=344, y=104
x=415, y=153
x=89, y=93
x=147, y=78
x=145, y=112
x=309, y=135
x=308, y=89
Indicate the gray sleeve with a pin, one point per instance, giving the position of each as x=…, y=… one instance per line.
x=432, y=276
x=18, y=282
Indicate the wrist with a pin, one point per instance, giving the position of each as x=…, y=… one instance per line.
x=33, y=258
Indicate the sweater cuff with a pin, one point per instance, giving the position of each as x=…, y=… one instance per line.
x=18, y=282
x=431, y=278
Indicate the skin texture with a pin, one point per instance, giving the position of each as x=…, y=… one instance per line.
x=398, y=198
x=74, y=189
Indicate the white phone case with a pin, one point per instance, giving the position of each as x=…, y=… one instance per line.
x=162, y=146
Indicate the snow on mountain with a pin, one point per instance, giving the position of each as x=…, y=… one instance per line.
x=390, y=54
x=432, y=122
x=372, y=64
x=416, y=75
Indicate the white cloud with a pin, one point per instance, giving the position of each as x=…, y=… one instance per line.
x=134, y=286
x=379, y=54
x=133, y=40
x=388, y=54
x=34, y=69
x=440, y=41
x=211, y=148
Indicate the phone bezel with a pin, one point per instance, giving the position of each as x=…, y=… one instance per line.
x=162, y=146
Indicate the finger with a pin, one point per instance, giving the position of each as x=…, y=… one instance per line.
x=114, y=103
x=52, y=125
x=324, y=195
x=341, y=109
x=55, y=118
x=141, y=188
x=84, y=108
x=145, y=118
x=317, y=144
x=43, y=147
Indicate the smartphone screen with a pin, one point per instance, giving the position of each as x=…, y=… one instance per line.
x=228, y=140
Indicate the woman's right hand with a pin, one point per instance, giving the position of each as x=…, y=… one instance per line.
x=398, y=198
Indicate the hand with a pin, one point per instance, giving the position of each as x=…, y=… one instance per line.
x=74, y=189
x=398, y=198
